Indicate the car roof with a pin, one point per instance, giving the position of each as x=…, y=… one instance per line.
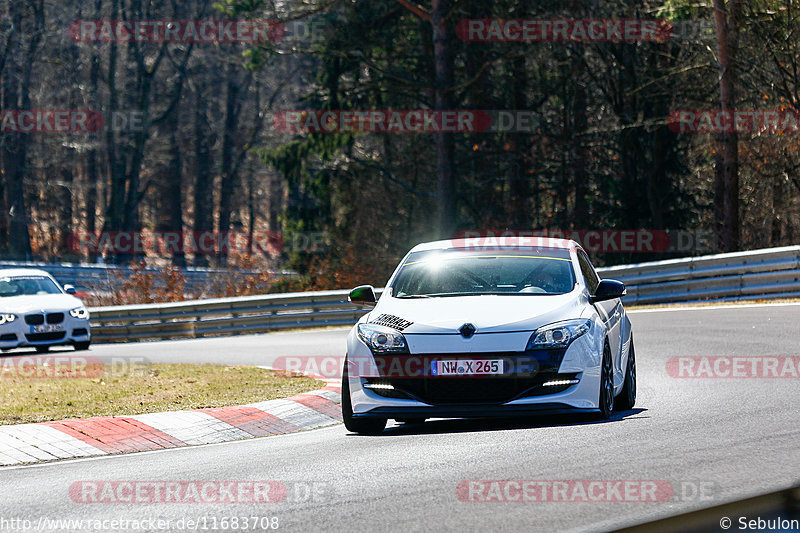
x=13, y=272
x=497, y=243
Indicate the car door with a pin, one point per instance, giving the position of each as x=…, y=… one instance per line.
x=610, y=312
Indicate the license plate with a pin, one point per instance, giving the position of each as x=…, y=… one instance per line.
x=47, y=328
x=467, y=367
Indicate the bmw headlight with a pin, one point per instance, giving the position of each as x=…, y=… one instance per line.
x=381, y=339
x=6, y=318
x=558, y=334
x=79, y=312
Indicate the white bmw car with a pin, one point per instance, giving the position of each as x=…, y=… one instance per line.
x=36, y=311
x=468, y=331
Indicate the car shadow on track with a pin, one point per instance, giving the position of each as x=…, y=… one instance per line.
x=27, y=352
x=464, y=425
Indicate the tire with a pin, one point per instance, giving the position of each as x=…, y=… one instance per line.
x=627, y=398
x=42, y=349
x=80, y=346
x=363, y=426
x=606, y=393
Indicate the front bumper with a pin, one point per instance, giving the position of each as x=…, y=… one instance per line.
x=474, y=411
x=483, y=396
x=18, y=334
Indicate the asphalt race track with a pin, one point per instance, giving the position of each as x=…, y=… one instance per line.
x=725, y=438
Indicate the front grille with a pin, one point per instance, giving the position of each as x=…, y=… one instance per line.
x=55, y=318
x=34, y=320
x=476, y=390
x=525, y=374
x=51, y=336
x=8, y=337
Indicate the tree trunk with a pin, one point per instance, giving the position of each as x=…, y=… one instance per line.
x=16, y=95
x=204, y=184
x=116, y=169
x=92, y=175
x=66, y=198
x=581, y=214
x=275, y=195
x=228, y=170
x=519, y=190
x=174, y=190
x=3, y=211
x=445, y=150
x=726, y=17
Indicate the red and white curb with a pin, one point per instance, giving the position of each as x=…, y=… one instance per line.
x=105, y=435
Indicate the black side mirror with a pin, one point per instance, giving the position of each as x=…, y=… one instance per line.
x=363, y=295
x=69, y=289
x=608, y=289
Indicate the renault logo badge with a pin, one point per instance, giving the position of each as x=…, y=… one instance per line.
x=467, y=330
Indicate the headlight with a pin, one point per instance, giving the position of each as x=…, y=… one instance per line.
x=79, y=312
x=6, y=318
x=558, y=334
x=381, y=339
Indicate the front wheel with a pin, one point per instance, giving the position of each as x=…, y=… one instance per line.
x=606, y=400
x=627, y=398
x=80, y=346
x=364, y=426
x=42, y=349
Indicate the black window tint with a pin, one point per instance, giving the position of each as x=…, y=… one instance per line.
x=592, y=281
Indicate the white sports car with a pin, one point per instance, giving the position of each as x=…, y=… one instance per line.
x=36, y=311
x=470, y=331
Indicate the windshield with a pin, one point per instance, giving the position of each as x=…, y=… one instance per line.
x=459, y=273
x=27, y=286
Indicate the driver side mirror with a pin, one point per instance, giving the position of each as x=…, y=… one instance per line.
x=608, y=289
x=69, y=289
x=363, y=295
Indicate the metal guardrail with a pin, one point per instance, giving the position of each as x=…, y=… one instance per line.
x=100, y=277
x=781, y=506
x=771, y=273
x=223, y=316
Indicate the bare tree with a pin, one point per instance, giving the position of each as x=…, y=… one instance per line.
x=727, y=17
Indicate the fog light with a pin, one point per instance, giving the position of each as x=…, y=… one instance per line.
x=561, y=382
x=381, y=386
